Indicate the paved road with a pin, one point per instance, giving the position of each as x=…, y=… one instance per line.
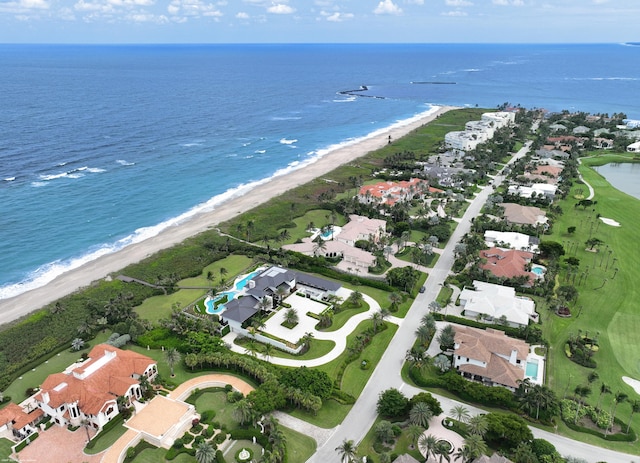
x=387, y=374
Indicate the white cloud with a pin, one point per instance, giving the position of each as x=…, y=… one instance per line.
x=192, y=8
x=23, y=6
x=94, y=7
x=147, y=18
x=280, y=8
x=415, y=2
x=131, y=2
x=242, y=15
x=458, y=3
x=387, y=7
x=454, y=13
x=508, y=2
x=338, y=17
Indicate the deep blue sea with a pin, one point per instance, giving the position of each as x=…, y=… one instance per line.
x=103, y=146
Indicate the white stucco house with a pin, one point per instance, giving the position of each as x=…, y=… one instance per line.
x=511, y=240
x=491, y=302
x=90, y=389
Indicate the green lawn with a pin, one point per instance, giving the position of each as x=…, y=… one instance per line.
x=319, y=217
x=55, y=364
x=105, y=439
x=158, y=307
x=340, y=318
x=607, y=305
x=215, y=399
x=319, y=347
x=5, y=449
x=156, y=455
x=230, y=452
x=300, y=447
x=401, y=446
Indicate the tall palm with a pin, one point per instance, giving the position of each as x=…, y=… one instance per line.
x=172, y=356
x=582, y=392
x=460, y=413
x=268, y=351
x=242, y=411
x=604, y=389
x=475, y=445
x=427, y=444
x=423, y=333
x=376, y=320
x=618, y=398
x=205, y=453
x=420, y=414
x=396, y=299
x=442, y=451
x=414, y=432
x=435, y=307
x=477, y=425
x=347, y=451
x=635, y=408
x=417, y=358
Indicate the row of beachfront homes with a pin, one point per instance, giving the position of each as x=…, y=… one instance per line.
x=87, y=390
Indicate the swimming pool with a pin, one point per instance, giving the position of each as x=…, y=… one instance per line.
x=210, y=303
x=532, y=369
x=538, y=270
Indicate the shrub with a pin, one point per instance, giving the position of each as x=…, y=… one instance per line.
x=178, y=443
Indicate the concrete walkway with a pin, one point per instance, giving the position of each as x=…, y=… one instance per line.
x=339, y=337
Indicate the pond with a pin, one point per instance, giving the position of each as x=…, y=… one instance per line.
x=624, y=176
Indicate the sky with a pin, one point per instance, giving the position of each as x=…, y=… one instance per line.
x=319, y=21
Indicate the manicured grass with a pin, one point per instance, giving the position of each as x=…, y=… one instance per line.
x=355, y=378
x=343, y=316
x=300, y=447
x=318, y=348
x=158, y=307
x=319, y=219
x=230, y=452
x=106, y=438
x=406, y=256
x=5, y=449
x=330, y=415
x=156, y=455
x=55, y=364
x=215, y=399
x=607, y=305
x=444, y=295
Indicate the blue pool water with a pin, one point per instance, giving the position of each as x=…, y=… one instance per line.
x=327, y=233
x=239, y=286
x=532, y=369
x=537, y=270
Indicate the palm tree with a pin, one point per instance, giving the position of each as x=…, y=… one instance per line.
x=172, y=356
x=442, y=450
x=420, y=414
x=475, y=446
x=427, y=445
x=384, y=431
x=635, y=408
x=617, y=399
x=477, y=425
x=268, y=351
x=321, y=245
x=604, y=389
x=376, y=320
x=205, y=453
x=77, y=344
x=242, y=411
x=291, y=316
x=417, y=358
x=442, y=362
x=414, y=432
x=434, y=306
x=347, y=451
x=582, y=392
x=423, y=333
x=355, y=298
x=460, y=413
x=86, y=425
x=396, y=299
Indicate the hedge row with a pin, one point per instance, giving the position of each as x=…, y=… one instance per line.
x=26, y=441
x=619, y=437
x=117, y=421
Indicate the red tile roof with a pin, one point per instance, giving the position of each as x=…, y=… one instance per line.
x=507, y=263
x=15, y=415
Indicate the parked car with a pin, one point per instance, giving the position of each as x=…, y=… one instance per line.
x=422, y=289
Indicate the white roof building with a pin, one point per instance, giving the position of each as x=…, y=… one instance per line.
x=537, y=189
x=361, y=228
x=464, y=141
x=634, y=147
x=511, y=240
x=496, y=301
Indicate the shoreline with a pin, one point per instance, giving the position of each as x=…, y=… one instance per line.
x=22, y=304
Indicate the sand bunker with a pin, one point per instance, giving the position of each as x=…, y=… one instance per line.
x=611, y=222
x=634, y=383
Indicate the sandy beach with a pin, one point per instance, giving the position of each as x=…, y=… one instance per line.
x=18, y=306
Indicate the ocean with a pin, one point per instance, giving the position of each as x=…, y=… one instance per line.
x=104, y=146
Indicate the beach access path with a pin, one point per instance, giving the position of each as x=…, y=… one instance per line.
x=21, y=305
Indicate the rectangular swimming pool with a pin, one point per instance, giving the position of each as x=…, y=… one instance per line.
x=531, y=370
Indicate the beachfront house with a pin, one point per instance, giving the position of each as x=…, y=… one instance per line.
x=89, y=390
x=490, y=357
x=537, y=189
x=495, y=303
x=390, y=193
x=477, y=132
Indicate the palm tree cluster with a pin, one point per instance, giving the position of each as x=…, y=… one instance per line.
x=537, y=400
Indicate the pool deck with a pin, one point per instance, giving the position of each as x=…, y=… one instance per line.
x=540, y=360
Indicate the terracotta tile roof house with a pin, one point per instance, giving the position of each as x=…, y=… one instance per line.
x=496, y=301
x=545, y=174
x=523, y=215
x=495, y=458
x=89, y=389
x=490, y=356
x=507, y=263
x=392, y=192
x=20, y=422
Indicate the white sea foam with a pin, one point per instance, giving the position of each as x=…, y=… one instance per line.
x=96, y=170
x=472, y=70
x=38, y=184
x=284, y=141
x=189, y=145
x=260, y=151
x=47, y=273
x=47, y=177
x=122, y=162
x=9, y=179
x=348, y=99
x=285, y=118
